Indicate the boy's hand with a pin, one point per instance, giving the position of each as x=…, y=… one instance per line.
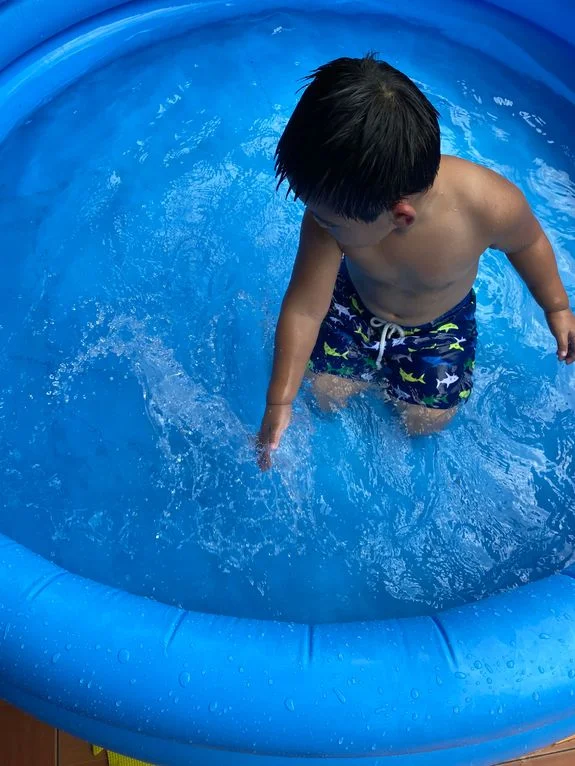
x=562, y=326
x=275, y=421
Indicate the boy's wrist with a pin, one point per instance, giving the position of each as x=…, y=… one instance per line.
x=279, y=393
x=556, y=301
x=557, y=309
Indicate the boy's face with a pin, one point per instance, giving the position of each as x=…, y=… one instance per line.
x=350, y=233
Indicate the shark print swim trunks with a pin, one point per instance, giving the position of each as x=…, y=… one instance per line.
x=431, y=365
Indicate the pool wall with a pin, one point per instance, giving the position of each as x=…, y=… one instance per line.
x=556, y=16
x=174, y=687
x=46, y=45
x=468, y=687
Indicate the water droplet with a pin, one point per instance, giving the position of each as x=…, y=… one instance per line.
x=118, y=703
x=340, y=656
x=340, y=695
x=456, y=710
x=535, y=696
x=541, y=669
x=459, y=674
x=56, y=657
x=240, y=669
x=289, y=703
x=68, y=647
x=213, y=706
x=123, y=656
x=185, y=679
x=478, y=664
x=544, y=636
x=510, y=664
x=132, y=681
x=340, y=741
x=414, y=694
x=270, y=681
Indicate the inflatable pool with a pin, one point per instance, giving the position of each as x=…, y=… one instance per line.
x=469, y=681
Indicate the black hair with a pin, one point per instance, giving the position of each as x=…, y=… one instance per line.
x=362, y=137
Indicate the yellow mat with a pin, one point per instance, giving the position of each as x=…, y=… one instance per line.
x=119, y=760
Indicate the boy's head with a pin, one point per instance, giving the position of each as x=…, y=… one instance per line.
x=361, y=142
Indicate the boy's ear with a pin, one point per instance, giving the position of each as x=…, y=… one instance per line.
x=403, y=215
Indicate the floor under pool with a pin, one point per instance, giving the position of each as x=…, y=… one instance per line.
x=146, y=252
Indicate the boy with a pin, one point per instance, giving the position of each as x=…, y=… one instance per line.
x=382, y=287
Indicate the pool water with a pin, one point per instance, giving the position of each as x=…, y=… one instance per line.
x=145, y=253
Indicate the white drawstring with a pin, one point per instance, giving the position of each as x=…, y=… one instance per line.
x=388, y=330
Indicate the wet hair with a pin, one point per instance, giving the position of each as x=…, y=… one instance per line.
x=362, y=137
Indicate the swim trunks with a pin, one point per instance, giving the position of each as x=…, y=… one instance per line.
x=431, y=365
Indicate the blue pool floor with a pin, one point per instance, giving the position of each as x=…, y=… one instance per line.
x=148, y=255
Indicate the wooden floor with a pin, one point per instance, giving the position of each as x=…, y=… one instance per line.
x=74, y=752
x=561, y=754
x=27, y=742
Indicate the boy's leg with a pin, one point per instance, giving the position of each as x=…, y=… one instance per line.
x=422, y=421
x=332, y=391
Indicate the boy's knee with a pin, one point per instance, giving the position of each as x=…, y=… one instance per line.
x=331, y=390
x=423, y=421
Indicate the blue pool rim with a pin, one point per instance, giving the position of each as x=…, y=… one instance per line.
x=469, y=686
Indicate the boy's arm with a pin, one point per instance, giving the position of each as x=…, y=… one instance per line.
x=519, y=235
x=304, y=307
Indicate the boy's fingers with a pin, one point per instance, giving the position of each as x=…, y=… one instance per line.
x=566, y=347
x=268, y=440
x=562, y=346
x=264, y=460
x=276, y=433
x=264, y=446
x=263, y=453
x=571, y=349
x=275, y=438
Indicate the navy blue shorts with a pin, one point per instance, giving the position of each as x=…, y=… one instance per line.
x=431, y=365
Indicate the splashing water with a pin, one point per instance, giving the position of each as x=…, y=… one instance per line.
x=146, y=257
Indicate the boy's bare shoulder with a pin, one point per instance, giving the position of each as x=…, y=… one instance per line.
x=487, y=195
x=476, y=183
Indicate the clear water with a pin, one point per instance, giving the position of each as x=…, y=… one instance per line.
x=144, y=256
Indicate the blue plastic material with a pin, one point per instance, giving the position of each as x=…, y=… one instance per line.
x=554, y=15
x=472, y=686
x=38, y=74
